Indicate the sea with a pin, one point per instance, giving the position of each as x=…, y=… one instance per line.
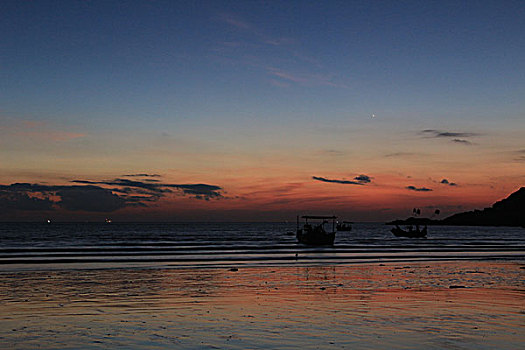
x=85, y=245
x=253, y=286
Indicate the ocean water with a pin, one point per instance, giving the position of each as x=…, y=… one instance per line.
x=42, y=245
x=252, y=286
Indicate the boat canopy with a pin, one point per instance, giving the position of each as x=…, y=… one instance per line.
x=318, y=217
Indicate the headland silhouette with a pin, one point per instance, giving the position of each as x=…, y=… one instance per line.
x=506, y=212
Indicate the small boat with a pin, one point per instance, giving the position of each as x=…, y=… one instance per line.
x=316, y=234
x=410, y=233
x=344, y=226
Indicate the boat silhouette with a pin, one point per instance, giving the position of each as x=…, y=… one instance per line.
x=410, y=233
x=344, y=226
x=316, y=233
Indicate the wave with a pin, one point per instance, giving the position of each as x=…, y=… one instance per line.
x=227, y=244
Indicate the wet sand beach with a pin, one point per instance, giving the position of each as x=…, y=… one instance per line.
x=440, y=304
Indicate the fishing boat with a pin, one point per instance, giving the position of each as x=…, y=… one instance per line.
x=344, y=226
x=410, y=233
x=315, y=232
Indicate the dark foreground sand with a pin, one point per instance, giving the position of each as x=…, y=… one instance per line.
x=423, y=305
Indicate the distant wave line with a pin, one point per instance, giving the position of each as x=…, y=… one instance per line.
x=269, y=258
x=149, y=252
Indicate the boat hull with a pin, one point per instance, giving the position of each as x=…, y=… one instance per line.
x=313, y=238
x=414, y=234
x=345, y=226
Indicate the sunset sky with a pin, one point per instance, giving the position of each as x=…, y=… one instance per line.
x=259, y=110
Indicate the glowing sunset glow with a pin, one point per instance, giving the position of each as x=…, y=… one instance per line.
x=243, y=112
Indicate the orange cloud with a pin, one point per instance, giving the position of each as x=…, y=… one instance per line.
x=39, y=130
x=51, y=135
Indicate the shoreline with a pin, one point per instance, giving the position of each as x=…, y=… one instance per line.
x=518, y=257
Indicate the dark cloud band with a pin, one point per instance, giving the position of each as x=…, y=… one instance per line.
x=418, y=189
x=446, y=182
x=358, y=180
x=94, y=196
x=439, y=133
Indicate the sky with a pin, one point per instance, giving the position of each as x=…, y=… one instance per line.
x=258, y=110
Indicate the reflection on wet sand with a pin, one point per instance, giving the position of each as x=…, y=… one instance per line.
x=416, y=305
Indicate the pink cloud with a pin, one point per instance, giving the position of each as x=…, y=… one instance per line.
x=40, y=130
x=279, y=41
x=236, y=22
x=250, y=28
x=279, y=83
x=33, y=124
x=304, y=79
x=287, y=76
x=51, y=135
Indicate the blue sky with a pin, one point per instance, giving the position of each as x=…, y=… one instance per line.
x=177, y=60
